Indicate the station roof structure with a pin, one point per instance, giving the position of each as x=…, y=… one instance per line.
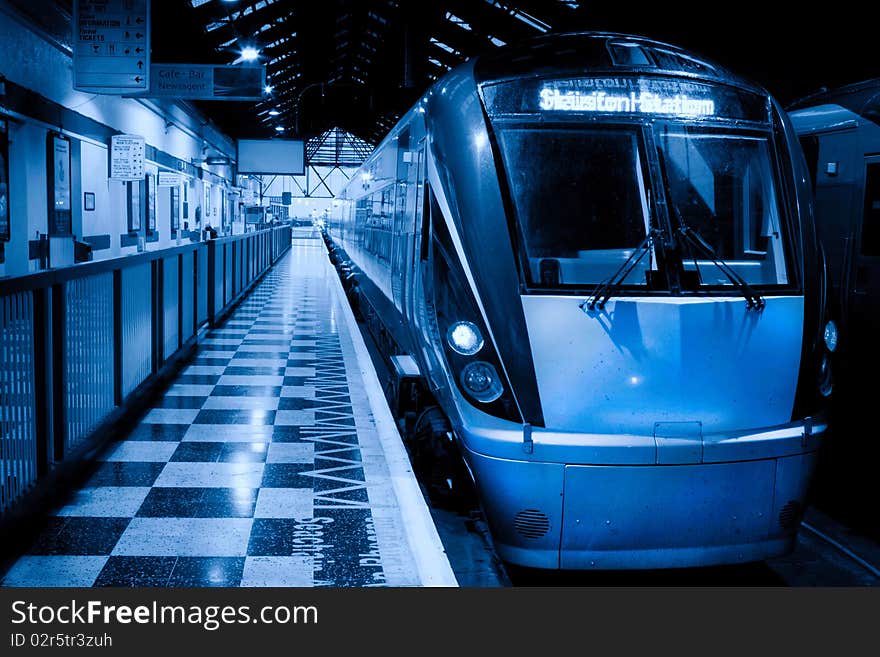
x=358, y=65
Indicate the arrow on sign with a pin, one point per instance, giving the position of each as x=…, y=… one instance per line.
x=139, y=79
x=139, y=20
x=128, y=51
x=138, y=36
x=139, y=50
x=140, y=64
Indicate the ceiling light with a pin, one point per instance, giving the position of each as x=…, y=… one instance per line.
x=274, y=112
x=279, y=128
x=249, y=53
x=268, y=88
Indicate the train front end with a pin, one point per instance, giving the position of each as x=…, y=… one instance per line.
x=635, y=354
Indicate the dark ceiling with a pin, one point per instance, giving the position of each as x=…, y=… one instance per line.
x=356, y=64
x=360, y=64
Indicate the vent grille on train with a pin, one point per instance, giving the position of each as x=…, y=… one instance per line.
x=790, y=515
x=531, y=523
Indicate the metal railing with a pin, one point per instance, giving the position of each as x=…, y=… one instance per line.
x=80, y=344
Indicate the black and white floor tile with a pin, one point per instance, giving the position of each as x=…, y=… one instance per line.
x=260, y=465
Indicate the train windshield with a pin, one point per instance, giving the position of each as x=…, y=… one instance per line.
x=721, y=185
x=581, y=201
x=593, y=164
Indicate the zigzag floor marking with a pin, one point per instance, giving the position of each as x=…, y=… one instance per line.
x=346, y=489
x=323, y=438
x=338, y=459
x=331, y=416
x=320, y=473
x=333, y=427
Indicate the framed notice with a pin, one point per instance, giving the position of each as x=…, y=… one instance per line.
x=58, y=178
x=135, y=206
x=4, y=183
x=175, y=209
x=151, y=202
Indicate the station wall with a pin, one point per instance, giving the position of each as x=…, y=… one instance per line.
x=38, y=101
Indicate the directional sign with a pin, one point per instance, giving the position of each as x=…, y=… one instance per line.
x=111, y=49
x=207, y=82
x=127, y=157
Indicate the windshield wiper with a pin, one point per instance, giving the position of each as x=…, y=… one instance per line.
x=753, y=299
x=605, y=290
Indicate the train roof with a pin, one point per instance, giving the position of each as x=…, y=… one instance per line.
x=600, y=52
x=861, y=98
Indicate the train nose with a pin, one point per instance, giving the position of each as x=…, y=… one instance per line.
x=641, y=361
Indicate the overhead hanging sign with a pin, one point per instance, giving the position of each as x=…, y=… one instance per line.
x=207, y=81
x=111, y=49
x=127, y=157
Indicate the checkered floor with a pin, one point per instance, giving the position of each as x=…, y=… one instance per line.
x=259, y=467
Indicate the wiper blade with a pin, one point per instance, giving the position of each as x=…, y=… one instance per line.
x=753, y=299
x=604, y=290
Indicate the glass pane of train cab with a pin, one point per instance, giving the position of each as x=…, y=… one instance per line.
x=722, y=185
x=581, y=204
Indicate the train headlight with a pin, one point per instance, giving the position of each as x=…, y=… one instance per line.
x=481, y=381
x=464, y=338
x=826, y=382
x=830, y=335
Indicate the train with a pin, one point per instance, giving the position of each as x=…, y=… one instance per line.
x=590, y=259
x=839, y=131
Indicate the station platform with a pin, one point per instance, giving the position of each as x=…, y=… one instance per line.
x=272, y=460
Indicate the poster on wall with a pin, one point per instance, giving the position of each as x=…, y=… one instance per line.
x=151, y=203
x=134, y=206
x=4, y=183
x=59, y=185
x=175, y=209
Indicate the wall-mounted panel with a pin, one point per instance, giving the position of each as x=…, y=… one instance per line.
x=136, y=321
x=170, y=305
x=202, y=285
x=18, y=445
x=88, y=389
x=187, y=301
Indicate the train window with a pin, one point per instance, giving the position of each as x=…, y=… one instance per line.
x=721, y=185
x=579, y=197
x=871, y=220
x=4, y=183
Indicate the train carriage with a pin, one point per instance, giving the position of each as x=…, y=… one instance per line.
x=598, y=252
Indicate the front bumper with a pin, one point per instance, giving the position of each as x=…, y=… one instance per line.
x=724, y=501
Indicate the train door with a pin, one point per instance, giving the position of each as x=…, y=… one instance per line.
x=836, y=169
x=422, y=296
x=415, y=208
x=864, y=307
x=401, y=224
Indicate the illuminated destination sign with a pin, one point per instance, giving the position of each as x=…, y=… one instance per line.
x=646, y=103
x=624, y=95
